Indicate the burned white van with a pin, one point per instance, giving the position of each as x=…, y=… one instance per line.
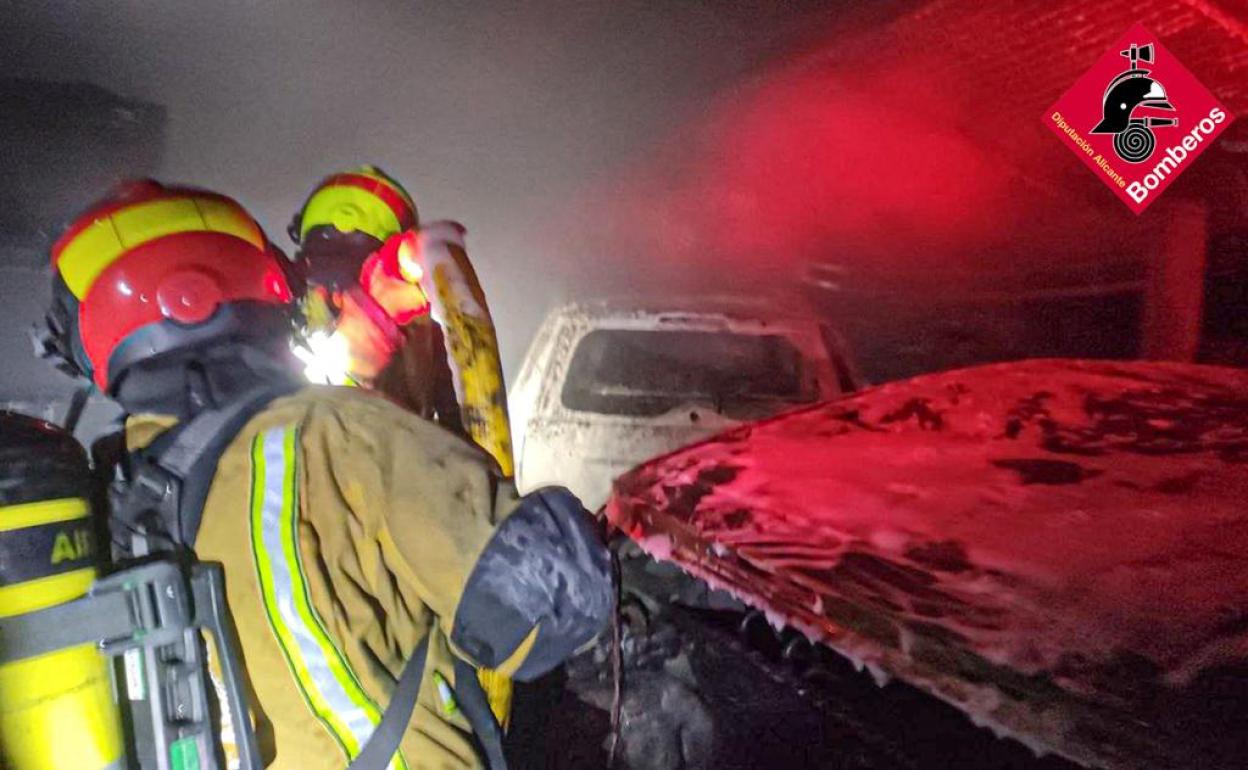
x=607, y=385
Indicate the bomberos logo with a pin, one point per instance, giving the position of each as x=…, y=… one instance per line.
x=1138, y=128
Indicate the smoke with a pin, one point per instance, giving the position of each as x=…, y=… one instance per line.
x=817, y=164
x=492, y=113
x=602, y=146
x=865, y=161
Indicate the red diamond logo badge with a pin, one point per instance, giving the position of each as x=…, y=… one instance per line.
x=1138, y=118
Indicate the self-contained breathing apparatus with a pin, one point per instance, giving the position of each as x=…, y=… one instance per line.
x=151, y=616
x=56, y=702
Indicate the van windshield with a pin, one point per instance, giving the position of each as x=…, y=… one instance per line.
x=644, y=372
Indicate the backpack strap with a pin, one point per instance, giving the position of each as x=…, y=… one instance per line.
x=380, y=747
x=162, y=501
x=475, y=705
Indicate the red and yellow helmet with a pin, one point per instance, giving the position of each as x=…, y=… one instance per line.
x=365, y=200
x=151, y=270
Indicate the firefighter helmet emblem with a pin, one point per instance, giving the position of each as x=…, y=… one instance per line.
x=1131, y=90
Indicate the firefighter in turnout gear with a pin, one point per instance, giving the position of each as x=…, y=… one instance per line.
x=396, y=306
x=367, y=322
x=373, y=560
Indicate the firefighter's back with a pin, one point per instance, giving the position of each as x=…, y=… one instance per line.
x=317, y=550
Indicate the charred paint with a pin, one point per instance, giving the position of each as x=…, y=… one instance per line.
x=900, y=576
x=862, y=620
x=919, y=409
x=1029, y=411
x=853, y=417
x=1013, y=427
x=686, y=497
x=1179, y=485
x=737, y=518
x=944, y=556
x=956, y=391
x=721, y=474
x=1235, y=625
x=1124, y=674
x=936, y=632
x=1237, y=456
x=1033, y=470
x=1155, y=422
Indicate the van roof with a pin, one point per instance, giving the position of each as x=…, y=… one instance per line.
x=762, y=308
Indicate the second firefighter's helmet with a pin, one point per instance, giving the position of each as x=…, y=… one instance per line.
x=154, y=271
x=365, y=200
x=346, y=217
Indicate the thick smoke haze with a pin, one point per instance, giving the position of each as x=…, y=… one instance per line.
x=495, y=114
x=595, y=146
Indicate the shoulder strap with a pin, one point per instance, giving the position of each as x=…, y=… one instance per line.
x=380, y=747
x=192, y=457
x=83, y=621
x=171, y=477
x=475, y=704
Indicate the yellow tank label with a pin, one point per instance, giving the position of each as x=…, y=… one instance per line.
x=72, y=545
x=43, y=540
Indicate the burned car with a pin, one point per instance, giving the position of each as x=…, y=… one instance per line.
x=1056, y=548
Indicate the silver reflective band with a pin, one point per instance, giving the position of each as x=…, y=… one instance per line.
x=324, y=676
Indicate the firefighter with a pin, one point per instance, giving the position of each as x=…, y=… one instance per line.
x=395, y=305
x=346, y=236
x=360, y=542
